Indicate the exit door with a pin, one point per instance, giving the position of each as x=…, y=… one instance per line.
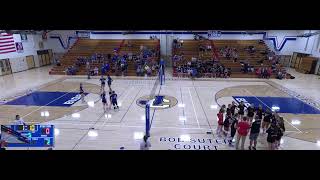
x=5, y=66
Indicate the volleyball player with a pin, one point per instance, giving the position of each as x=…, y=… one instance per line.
x=250, y=113
x=113, y=99
x=103, y=83
x=241, y=109
x=109, y=82
x=104, y=101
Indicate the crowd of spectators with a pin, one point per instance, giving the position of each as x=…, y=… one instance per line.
x=197, y=68
x=144, y=62
x=229, y=53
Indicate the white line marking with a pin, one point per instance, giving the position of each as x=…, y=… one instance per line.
x=124, y=98
x=127, y=126
x=194, y=110
x=271, y=108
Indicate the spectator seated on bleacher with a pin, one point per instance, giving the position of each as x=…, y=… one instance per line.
x=148, y=70
x=58, y=63
x=140, y=70
x=264, y=73
x=96, y=71
x=269, y=72
x=202, y=48
x=226, y=73
x=251, y=49
x=260, y=61
x=234, y=55
x=71, y=70
x=258, y=72
x=91, y=72
x=280, y=75
x=246, y=67
x=209, y=47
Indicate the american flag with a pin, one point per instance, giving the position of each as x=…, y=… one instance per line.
x=7, y=43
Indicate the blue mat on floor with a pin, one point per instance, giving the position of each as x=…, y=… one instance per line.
x=280, y=104
x=41, y=98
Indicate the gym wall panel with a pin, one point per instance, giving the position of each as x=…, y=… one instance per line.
x=18, y=64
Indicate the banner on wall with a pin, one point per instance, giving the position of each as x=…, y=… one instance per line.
x=214, y=34
x=83, y=34
x=24, y=37
x=19, y=47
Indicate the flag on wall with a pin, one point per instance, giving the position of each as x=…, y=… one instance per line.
x=7, y=43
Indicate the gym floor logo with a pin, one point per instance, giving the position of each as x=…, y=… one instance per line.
x=179, y=143
x=157, y=102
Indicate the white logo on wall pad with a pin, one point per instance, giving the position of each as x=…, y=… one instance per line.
x=74, y=99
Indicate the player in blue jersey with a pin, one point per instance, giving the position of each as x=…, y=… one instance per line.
x=103, y=83
x=104, y=101
x=113, y=99
x=109, y=81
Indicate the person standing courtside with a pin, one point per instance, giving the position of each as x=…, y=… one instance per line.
x=82, y=93
x=145, y=144
x=243, y=129
x=254, y=132
x=19, y=121
x=103, y=83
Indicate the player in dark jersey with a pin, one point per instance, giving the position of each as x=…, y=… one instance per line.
x=103, y=83
x=82, y=93
x=233, y=108
x=109, y=82
x=113, y=99
x=233, y=127
x=250, y=113
x=260, y=112
x=104, y=101
x=266, y=121
x=241, y=109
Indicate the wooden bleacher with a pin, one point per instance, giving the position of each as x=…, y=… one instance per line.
x=190, y=49
x=87, y=47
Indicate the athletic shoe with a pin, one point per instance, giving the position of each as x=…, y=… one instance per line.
x=254, y=148
x=249, y=147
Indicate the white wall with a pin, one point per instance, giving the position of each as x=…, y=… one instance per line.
x=58, y=40
x=30, y=47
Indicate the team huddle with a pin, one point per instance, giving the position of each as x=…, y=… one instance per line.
x=113, y=97
x=235, y=122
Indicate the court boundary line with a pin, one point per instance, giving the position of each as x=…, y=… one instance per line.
x=130, y=104
x=126, y=126
x=194, y=110
x=183, y=113
x=203, y=109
